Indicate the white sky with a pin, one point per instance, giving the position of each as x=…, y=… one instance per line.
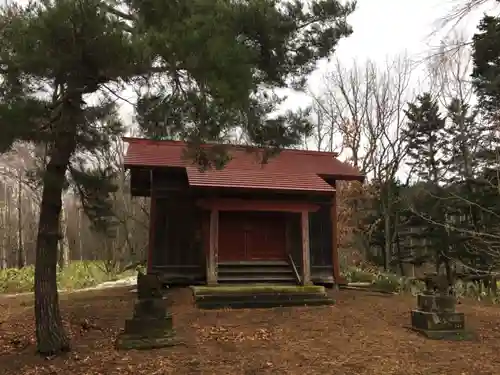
x=382, y=28
x=387, y=28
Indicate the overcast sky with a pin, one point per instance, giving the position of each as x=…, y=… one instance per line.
x=387, y=28
x=383, y=28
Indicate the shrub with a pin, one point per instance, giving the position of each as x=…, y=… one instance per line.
x=78, y=275
x=358, y=275
x=13, y=280
x=388, y=283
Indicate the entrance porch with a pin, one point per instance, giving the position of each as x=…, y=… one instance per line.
x=257, y=237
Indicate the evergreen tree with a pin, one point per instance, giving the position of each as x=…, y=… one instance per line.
x=463, y=183
x=206, y=60
x=425, y=134
x=483, y=191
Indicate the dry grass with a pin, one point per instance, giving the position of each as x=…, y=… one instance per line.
x=362, y=334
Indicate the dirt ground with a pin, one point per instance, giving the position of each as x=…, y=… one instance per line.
x=362, y=334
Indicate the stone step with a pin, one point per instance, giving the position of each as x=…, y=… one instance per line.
x=258, y=303
x=256, y=277
x=260, y=296
x=253, y=263
x=256, y=269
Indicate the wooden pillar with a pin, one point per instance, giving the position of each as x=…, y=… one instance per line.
x=152, y=227
x=306, y=254
x=213, y=248
x=335, y=252
x=288, y=235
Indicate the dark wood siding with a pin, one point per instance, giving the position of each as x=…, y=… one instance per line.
x=178, y=251
x=295, y=240
x=182, y=231
x=320, y=242
x=320, y=236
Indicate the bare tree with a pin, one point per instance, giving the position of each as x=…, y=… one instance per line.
x=450, y=69
x=345, y=107
x=19, y=205
x=364, y=108
x=129, y=237
x=461, y=9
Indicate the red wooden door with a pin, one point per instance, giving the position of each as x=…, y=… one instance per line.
x=231, y=236
x=246, y=236
x=266, y=236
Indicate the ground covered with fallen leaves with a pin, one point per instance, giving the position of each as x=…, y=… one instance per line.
x=362, y=334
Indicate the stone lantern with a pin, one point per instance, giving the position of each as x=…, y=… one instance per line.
x=435, y=316
x=151, y=324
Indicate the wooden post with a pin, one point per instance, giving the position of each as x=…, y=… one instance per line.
x=288, y=235
x=306, y=254
x=152, y=222
x=213, y=250
x=335, y=252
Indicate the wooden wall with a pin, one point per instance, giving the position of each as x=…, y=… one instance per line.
x=178, y=251
x=320, y=243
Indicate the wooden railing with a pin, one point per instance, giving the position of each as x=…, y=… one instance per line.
x=295, y=271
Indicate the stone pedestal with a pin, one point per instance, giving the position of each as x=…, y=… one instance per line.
x=437, y=321
x=151, y=324
x=436, y=318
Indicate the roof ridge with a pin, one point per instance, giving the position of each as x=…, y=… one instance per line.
x=238, y=147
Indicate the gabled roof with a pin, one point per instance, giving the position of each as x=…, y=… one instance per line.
x=298, y=170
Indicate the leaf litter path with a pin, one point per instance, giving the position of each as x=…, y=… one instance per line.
x=362, y=334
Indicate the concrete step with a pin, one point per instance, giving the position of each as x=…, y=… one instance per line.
x=255, y=272
x=254, y=263
x=254, y=278
x=256, y=269
x=260, y=303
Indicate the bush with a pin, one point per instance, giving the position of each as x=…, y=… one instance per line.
x=388, y=283
x=358, y=275
x=14, y=280
x=395, y=284
x=384, y=281
x=77, y=275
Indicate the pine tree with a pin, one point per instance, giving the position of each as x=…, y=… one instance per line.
x=205, y=61
x=426, y=142
x=463, y=187
x=484, y=197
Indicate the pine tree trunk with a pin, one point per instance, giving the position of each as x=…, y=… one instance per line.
x=50, y=333
x=51, y=338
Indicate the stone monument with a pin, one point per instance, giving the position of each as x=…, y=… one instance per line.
x=435, y=316
x=151, y=324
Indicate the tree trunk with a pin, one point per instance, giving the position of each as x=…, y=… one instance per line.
x=50, y=333
x=400, y=254
x=388, y=241
x=3, y=253
x=80, y=234
x=20, y=244
x=11, y=260
x=63, y=243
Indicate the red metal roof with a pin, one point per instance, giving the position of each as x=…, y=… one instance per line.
x=289, y=170
x=257, y=179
